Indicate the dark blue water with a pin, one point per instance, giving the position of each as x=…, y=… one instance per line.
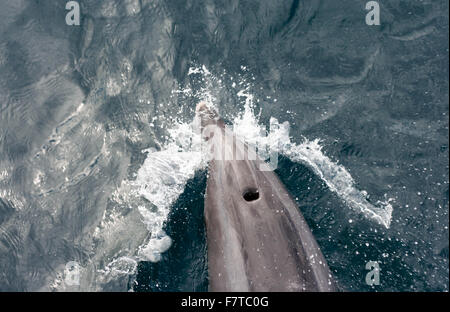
x=377, y=97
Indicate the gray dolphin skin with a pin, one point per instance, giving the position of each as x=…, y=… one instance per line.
x=257, y=237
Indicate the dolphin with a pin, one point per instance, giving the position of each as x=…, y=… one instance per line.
x=257, y=238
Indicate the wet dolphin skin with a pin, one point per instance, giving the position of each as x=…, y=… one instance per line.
x=257, y=237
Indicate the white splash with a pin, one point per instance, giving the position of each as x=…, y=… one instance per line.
x=336, y=176
x=120, y=266
x=164, y=174
x=162, y=179
x=339, y=180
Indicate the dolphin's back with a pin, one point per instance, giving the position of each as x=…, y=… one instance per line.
x=257, y=237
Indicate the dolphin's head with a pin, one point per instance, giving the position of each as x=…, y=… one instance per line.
x=208, y=115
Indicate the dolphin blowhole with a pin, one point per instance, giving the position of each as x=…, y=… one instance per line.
x=250, y=194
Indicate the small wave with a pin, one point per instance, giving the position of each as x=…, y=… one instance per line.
x=339, y=180
x=161, y=180
x=415, y=34
x=310, y=153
